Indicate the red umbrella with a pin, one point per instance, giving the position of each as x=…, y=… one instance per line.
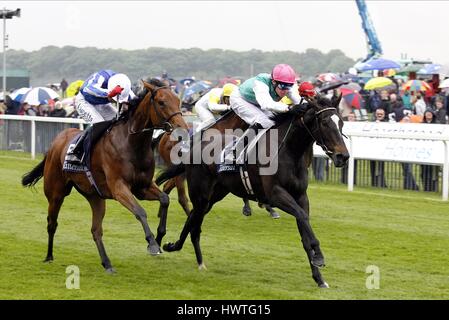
x=352, y=98
x=328, y=77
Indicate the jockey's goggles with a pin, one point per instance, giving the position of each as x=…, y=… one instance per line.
x=284, y=86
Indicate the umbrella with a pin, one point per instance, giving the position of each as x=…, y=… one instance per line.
x=226, y=80
x=74, y=87
x=431, y=68
x=328, y=77
x=196, y=90
x=352, y=86
x=415, y=85
x=378, y=82
x=410, y=68
x=379, y=64
x=39, y=95
x=17, y=95
x=352, y=98
x=444, y=84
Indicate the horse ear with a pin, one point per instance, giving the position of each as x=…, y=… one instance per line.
x=336, y=100
x=149, y=86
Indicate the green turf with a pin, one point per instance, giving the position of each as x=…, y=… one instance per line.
x=404, y=234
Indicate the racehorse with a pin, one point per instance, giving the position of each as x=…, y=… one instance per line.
x=229, y=120
x=285, y=189
x=122, y=165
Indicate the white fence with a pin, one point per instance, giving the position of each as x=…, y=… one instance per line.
x=408, y=142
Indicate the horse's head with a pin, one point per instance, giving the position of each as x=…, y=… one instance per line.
x=324, y=124
x=159, y=107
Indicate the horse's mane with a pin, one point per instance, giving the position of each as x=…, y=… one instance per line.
x=140, y=91
x=280, y=118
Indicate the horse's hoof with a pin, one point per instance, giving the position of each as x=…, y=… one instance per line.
x=202, y=267
x=169, y=247
x=110, y=270
x=324, y=285
x=275, y=215
x=246, y=212
x=154, y=250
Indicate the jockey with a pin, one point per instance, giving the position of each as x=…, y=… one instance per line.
x=93, y=102
x=258, y=99
x=213, y=102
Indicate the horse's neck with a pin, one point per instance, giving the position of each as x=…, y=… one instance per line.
x=298, y=140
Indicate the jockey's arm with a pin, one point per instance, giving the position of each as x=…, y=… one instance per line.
x=96, y=90
x=214, y=103
x=294, y=96
x=262, y=93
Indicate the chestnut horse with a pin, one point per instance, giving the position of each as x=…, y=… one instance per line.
x=122, y=165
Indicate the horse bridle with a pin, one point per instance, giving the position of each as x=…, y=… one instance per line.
x=320, y=142
x=166, y=125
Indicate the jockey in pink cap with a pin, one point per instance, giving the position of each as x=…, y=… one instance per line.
x=258, y=98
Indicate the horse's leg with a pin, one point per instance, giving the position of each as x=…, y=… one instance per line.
x=284, y=201
x=121, y=192
x=153, y=193
x=55, y=191
x=303, y=202
x=246, y=210
x=182, y=194
x=270, y=210
x=54, y=205
x=98, y=207
x=195, y=232
x=200, y=200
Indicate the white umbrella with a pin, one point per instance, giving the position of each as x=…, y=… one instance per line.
x=18, y=95
x=444, y=84
x=39, y=95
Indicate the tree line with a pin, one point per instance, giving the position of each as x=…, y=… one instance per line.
x=50, y=64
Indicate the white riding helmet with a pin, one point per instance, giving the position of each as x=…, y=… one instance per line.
x=122, y=80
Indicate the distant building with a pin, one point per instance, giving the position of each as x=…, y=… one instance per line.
x=15, y=78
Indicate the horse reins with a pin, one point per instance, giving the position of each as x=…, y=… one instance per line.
x=166, y=125
x=319, y=142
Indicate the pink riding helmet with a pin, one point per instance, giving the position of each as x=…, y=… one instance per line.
x=283, y=73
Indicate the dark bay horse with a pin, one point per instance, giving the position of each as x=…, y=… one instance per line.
x=285, y=189
x=122, y=165
x=229, y=120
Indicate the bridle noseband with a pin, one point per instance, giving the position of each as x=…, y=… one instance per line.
x=166, y=125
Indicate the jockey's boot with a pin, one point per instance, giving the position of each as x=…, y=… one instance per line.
x=249, y=135
x=78, y=150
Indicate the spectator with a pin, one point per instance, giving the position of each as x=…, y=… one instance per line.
x=344, y=171
x=385, y=102
x=377, y=168
x=429, y=116
x=419, y=105
x=429, y=173
x=440, y=112
x=64, y=85
x=58, y=111
x=397, y=108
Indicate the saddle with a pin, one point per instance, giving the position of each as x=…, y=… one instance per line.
x=93, y=134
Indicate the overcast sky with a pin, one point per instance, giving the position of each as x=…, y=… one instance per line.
x=416, y=28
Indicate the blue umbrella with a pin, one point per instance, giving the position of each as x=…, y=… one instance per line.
x=39, y=95
x=379, y=64
x=199, y=86
x=430, y=69
x=18, y=95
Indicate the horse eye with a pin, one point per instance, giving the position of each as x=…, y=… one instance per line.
x=161, y=104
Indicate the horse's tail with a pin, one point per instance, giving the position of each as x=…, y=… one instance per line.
x=155, y=141
x=31, y=178
x=170, y=172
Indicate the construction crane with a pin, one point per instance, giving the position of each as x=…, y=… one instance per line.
x=374, y=47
